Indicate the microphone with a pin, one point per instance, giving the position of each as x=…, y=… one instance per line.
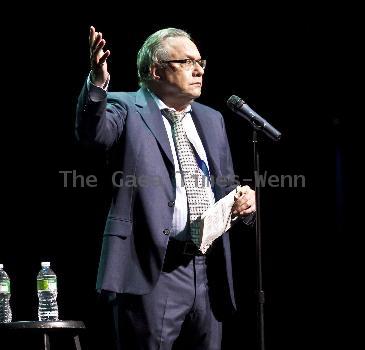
x=240, y=107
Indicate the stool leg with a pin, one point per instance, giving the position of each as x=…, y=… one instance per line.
x=46, y=342
x=77, y=342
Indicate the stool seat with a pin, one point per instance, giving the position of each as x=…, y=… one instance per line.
x=46, y=328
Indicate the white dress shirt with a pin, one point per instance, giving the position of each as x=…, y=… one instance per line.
x=180, y=216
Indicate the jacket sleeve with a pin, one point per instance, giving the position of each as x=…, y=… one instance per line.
x=226, y=163
x=100, y=118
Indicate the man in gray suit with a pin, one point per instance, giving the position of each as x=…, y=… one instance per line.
x=160, y=138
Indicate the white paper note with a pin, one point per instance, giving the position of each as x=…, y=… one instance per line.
x=216, y=220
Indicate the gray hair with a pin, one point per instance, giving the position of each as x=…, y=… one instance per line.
x=153, y=51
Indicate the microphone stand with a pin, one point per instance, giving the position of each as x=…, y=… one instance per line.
x=258, y=123
x=260, y=291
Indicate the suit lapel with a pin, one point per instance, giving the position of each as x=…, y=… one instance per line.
x=151, y=115
x=207, y=135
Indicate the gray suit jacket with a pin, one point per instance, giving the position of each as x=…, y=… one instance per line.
x=138, y=225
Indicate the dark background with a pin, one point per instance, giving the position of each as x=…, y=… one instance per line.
x=297, y=67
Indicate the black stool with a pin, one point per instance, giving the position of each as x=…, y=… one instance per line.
x=46, y=328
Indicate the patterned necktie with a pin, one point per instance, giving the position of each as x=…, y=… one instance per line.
x=194, y=181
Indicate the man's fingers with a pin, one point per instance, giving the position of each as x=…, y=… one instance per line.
x=99, y=47
x=243, y=206
x=248, y=211
x=98, y=67
x=243, y=190
x=244, y=201
x=91, y=36
x=98, y=38
x=98, y=56
x=103, y=58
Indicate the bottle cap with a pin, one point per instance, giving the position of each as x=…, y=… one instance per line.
x=45, y=264
x=1, y=266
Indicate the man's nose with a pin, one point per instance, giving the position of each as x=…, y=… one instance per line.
x=198, y=71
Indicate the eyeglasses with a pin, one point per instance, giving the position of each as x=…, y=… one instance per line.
x=188, y=63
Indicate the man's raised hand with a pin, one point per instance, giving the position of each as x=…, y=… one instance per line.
x=98, y=58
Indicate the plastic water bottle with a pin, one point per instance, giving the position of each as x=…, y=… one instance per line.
x=47, y=293
x=5, y=309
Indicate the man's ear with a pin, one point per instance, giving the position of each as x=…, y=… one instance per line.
x=156, y=72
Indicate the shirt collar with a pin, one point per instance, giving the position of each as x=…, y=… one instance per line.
x=161, y=105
